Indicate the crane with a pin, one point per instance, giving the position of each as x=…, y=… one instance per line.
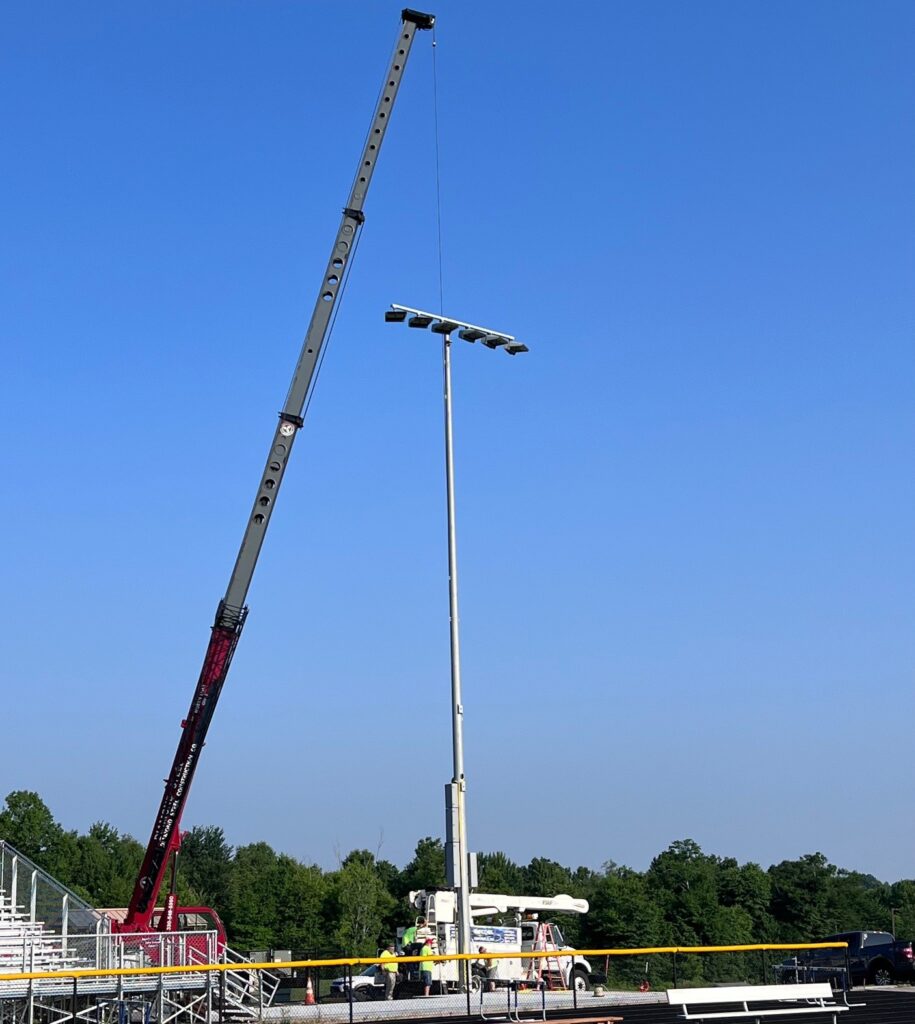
x=231, y=612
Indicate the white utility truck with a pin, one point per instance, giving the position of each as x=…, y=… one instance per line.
x=527, y=934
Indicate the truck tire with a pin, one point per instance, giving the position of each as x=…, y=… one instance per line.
x=580, y=980
x=880, y=973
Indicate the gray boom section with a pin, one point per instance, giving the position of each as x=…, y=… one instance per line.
x=231, y=609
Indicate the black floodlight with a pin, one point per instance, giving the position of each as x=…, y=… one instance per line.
x=471, y=334
x=443, y=327
x=514, y=347
x=419, y=320
x=395, y=316
x=494, y=340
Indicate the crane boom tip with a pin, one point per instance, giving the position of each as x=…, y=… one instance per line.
x=419, y=19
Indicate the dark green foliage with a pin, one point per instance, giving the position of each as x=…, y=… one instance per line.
x=206, y=864
x=427, y=869
x=685, y=898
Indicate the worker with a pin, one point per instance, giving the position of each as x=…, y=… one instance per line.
x=489, y=968
x=409, y=936
x=389, y=970
x=426, y=966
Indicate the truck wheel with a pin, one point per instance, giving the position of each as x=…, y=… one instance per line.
x=580, y=980
x=881, y=974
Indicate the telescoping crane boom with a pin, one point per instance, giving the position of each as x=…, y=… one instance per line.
x=231, y=612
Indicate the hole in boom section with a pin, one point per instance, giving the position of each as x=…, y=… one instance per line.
x=275, y=467
x=259, y=518
x=263, y=501
x=333, y=279
x=337, y=264
x=270, y=484
x=279, y=449
x=327, y=296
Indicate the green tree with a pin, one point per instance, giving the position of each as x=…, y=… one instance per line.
x=303, y=892
x=205, y=862
x=543, y=877
x=683, y=881
x=623, y=915
x=800, y=897
x=107, y=865
x=499, y=874
x=27, y=824
x=748, y=887
x=427, y=869
x=252, y=899
x=362, y=903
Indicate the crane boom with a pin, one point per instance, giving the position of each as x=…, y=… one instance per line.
x=231, y=612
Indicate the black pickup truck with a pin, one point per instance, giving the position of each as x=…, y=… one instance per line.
x=874, y=958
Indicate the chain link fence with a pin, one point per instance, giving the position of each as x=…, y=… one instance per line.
x=169, y=975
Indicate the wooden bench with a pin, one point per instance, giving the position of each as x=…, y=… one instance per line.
x=748, y=1002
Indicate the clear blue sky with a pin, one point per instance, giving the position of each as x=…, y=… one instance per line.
x=685, y=519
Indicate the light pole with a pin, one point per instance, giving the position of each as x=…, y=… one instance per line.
x=456, y=793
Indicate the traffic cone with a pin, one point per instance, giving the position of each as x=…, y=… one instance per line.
x=309, y=993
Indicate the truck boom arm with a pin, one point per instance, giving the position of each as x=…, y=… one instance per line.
x=485, y=903
x=231, y=612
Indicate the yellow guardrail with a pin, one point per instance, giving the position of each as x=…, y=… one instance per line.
x=552, y=954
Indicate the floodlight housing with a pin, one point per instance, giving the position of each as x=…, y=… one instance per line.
x=513, y=348
x=419, y=320
x=471, y=334
x=495, y=340
x=395, y=316
x=444, y=327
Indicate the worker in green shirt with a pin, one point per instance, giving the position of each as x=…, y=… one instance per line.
x=409, y=935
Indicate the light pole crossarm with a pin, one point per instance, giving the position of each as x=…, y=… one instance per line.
x=452, y=320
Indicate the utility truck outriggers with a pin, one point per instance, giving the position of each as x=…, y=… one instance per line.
x=527, y=934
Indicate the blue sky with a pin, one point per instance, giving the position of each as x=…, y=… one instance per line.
x=685, y=529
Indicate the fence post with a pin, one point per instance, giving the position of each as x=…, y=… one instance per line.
x=222, y=995
x=75, y=984
x=349, y=978
x=675, y=968
x=468, y=984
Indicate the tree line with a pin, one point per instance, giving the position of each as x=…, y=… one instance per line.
x=269, y=900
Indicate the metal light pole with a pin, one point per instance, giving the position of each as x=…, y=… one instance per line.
x=457, y=706
x=456, y=793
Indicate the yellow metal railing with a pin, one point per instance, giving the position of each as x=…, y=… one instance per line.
x=552, y=954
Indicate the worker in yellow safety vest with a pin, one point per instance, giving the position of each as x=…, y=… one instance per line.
x=389, y=970
x=426, y=966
